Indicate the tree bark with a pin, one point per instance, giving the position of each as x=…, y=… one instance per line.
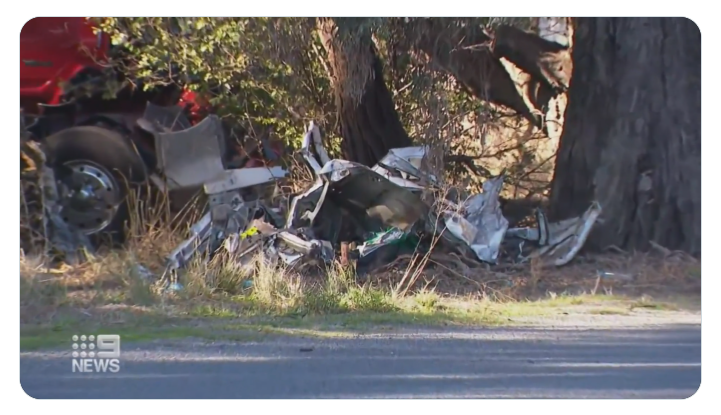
x=369, y=123
x=632, y=136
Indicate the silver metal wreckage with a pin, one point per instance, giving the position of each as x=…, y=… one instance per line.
x=377, y=211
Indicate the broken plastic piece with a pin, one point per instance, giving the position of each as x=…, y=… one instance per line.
x=380, y=240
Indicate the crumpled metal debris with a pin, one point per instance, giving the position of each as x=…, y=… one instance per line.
x=376, y=209
x=482, y=226
x=558, y=241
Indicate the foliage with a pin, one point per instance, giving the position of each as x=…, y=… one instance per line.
x=272, y=74
x=267, y=71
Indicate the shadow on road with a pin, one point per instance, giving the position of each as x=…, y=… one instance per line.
x=514, y=363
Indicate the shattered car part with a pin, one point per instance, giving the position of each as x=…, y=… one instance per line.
x=478, y=223
x=349, y=201
x=403, y=165
x=248, y=240
x=292, y=249
x=182, y=254
x=483, y=225
x=360, y=197
x=159, y=118
x=312, y=141
x=375, y=208
x=380, y=240
x=560, y=241
x=193, y=157
x=228, y=214
x=614, y=276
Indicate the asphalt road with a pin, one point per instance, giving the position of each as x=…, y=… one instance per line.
x=662, y=362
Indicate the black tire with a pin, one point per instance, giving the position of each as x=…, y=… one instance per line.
x=105, y=148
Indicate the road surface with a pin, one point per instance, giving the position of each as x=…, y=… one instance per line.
x=660, y=362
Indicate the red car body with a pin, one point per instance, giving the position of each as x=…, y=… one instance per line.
x=55, y=51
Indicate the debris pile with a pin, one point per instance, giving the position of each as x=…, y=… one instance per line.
x=370, y=215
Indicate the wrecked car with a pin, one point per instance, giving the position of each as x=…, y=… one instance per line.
x=378, y=210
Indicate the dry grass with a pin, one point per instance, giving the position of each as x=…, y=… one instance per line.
x=109, y=292
x=639, y=275
x=118, y=278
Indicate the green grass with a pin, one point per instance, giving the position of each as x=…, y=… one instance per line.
x=610, y=311
x=358, y=312
x=32, y=338
x=224, y=301
x=221, y=326
x=214, y=311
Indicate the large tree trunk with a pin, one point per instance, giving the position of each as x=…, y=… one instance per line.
x=369, y=122
x=632, y=137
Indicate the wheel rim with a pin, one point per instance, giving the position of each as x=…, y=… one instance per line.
x=90, y=196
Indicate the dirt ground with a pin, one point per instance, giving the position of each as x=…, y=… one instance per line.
x=658, y=275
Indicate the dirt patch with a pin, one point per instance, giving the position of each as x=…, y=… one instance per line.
x=668, y=277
